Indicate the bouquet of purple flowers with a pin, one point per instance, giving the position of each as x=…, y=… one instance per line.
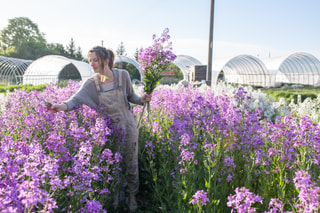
x=153, y=60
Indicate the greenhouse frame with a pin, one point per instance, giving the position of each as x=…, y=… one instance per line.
x=297, y=68
x=50, y=69
x=245, y=69
x=12, y=70
x=184, y=62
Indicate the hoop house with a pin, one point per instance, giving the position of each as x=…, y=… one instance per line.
x=184, y=62
x=12, y=70
x=121, y=58
x=299, y=68
x=54, y=69
x=245, y=69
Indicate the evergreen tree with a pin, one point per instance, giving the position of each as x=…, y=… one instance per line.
x=71, y=49
x=136, y=54
x=78, y=55
x=121, y=50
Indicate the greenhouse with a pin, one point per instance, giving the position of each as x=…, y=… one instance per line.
x=12, y=70
x=54, y=69
x=121, y=58
x=184, y=62
x=297, y=68
x=245, y=69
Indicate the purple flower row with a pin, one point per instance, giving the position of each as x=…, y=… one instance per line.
x=55, y=162
x=208, y=142
x=198, y=141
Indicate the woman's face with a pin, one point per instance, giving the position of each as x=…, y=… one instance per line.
x=94, y=61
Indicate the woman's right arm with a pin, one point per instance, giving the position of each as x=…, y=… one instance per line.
x=87, y=94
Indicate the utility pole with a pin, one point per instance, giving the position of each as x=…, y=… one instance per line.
x=102, y=43
x=209, y=66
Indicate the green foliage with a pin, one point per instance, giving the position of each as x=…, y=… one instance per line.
x=39, y=87
x=62, y=84
x=292, y=93
x=71, y=48
x=57, y=49
x=177, y=72
x=23, y=39
x=133, y=71
x=136, y=54
x=21, y=30
x=121, y=50
x=73, y=52
x=69, y=72
x=27, y=87
x=3, y=89
x=11, y=88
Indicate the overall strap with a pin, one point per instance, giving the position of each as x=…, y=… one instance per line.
x=96, y=82
x=120, y=78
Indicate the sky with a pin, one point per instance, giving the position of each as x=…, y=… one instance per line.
x=262, y=28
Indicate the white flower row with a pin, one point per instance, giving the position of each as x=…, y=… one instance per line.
x=2, y=101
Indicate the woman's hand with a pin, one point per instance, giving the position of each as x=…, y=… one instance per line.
x=58, y=107
x=146, y=97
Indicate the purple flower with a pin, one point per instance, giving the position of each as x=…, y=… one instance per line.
x=200, y=198
x=308, y=192
x=275, y=206
x=242, y=200
x=93, y=206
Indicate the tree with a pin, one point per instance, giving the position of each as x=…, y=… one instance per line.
x=121, y=50
x=133, y=71
x=23, y=39
x=177, y=72
x=57, y=49
x=71, y=49
x=78, y=55
x=23, y=36
x=136, y=54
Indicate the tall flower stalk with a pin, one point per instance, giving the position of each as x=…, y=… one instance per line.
x=153, y=60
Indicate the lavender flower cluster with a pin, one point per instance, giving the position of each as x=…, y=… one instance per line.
x=155, y=59
x=62, y=162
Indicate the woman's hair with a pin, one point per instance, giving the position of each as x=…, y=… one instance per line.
x=103, y=54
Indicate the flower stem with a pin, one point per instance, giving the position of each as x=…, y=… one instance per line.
x=144, y=106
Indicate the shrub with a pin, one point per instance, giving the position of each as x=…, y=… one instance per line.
x=308, y=95
x=62, y=84
x=2, y=89
x=11, y=88
x=40, y=87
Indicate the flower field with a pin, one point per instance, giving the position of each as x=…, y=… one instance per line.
x=202, y=149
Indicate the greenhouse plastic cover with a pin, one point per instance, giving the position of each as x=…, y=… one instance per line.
x=46, y=69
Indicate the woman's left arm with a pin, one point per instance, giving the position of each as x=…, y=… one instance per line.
x=132, y=96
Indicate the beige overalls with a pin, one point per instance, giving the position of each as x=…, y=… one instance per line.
x=115, y=107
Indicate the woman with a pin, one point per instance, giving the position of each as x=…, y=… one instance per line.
x=112, y=89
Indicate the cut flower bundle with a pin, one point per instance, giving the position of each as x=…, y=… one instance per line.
x=153, y=60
